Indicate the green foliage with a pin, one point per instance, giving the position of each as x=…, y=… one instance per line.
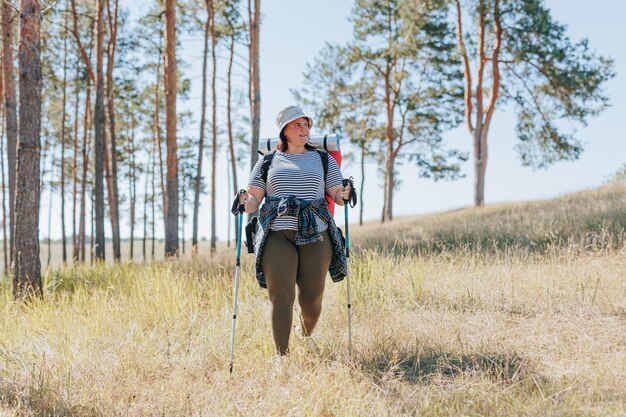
x=395, y=88
x=551, y=80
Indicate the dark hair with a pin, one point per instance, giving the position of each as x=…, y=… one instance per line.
x=284, y=145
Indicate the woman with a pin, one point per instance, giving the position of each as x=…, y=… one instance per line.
x=297, y=239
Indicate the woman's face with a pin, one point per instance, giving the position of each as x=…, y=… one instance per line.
x=297, y=131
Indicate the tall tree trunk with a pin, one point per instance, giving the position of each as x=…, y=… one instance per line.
x=171, y=223
x=255, y=80
x=389, y=184
x=157, y=131
x=99, y=147
x=10, y=109
x=479, y=128
x=48, y=153
x=75, y=241
x=108, y=174
x=145, y=203
x=362, y=185
x=133, y=186
x=112, y=178
x=92, y=245
x=480, y=166
x=88, y=121
x=390, y=157
x=5, y=236
x=63, y=121
x=152, y=201
x=182, y=213
x=211, y=10
x=196, y=200
x=231, y=141
x=228, y=192
x=27, y=272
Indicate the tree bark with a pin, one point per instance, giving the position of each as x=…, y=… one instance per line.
x=112, y=178
x=5, y=236
x=50, y=153
x=10, y=108
x=196, y=200
x=88, y=121
x=229, y=195
x=152, y=203
x=214, y=122
x=171, y=223
x=63, y=121
x=182, y=215
x=133, y=186
x=231, y=140
x=75, y=241
x=27, y=272
x=145, y=203
x=93, y=226
x=157, y=132
x=389, y=160
x=99, y=147
x=389, y=184
x=255, y=80
x=83, y=189
x=362, y=185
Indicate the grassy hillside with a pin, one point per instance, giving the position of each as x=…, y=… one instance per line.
x=593, y=220
x=470, y=313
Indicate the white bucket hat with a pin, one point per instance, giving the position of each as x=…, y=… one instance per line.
x=289, y=114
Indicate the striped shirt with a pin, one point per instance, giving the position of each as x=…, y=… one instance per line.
x=298, y=175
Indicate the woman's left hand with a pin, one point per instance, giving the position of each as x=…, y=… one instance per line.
x=345, y=192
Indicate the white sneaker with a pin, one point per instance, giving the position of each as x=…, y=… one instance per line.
x=278, y=363
x=308, y=341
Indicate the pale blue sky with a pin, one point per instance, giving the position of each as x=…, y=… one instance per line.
x=293, y=32
x=291, y=37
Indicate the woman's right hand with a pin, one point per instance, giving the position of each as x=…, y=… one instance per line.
x=251, y=198
x=243, y=197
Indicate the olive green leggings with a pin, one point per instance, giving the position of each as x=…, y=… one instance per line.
x=286, y=265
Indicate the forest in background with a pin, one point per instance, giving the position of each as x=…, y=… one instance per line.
x=90, y=99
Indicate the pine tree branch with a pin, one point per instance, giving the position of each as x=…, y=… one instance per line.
x=493, y=94
x=48, y=8
x=80, y=44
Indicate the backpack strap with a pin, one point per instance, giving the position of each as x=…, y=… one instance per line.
x=267, y=161
x=324, y=155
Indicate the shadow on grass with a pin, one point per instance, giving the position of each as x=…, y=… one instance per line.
x=506, y=368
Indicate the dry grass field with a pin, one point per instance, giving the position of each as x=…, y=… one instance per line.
x=510, y=310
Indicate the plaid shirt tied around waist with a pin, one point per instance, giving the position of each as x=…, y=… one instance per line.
x=308, y=230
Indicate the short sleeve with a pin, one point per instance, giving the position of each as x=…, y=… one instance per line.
x=333, y=176
x=255, y=176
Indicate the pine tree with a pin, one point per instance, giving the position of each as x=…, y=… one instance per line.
x=27, y=272
x=523, y=57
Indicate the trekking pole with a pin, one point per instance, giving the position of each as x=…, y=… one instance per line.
x=352, y=200
x=237, y=209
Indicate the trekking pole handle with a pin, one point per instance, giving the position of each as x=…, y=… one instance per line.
x=237, y=207
x=352, y=196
